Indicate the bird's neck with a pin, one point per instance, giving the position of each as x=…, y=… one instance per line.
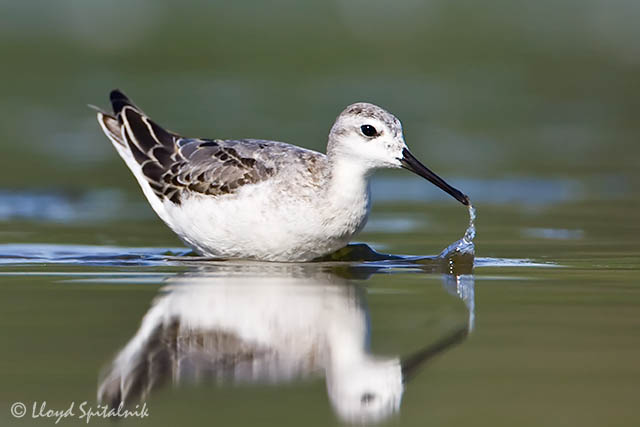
x=348, y=181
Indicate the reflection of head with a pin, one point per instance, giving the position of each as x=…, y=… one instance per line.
x=245, y=327
x=367, y=391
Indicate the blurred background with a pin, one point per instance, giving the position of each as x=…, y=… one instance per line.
x=544, y=90
x=531, y=108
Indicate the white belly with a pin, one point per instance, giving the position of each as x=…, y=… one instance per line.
x=260, y=222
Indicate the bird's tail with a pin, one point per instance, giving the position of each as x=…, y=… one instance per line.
x=129, y=127
x=110, y=126
x=147, y=148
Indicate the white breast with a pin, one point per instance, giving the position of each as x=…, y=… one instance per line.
x=269, y=221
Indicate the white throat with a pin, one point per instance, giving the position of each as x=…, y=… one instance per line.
x=349, y=182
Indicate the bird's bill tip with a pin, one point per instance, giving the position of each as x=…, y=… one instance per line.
x=409, y=162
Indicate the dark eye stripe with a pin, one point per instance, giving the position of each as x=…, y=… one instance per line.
x=368, y=130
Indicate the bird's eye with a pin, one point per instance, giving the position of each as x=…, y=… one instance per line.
x=367, y=398
x=368, y=130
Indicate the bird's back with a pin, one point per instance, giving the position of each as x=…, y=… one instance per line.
x=176, y=167
x=245, y=198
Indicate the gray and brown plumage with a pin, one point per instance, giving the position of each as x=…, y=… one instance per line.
x=258, y=199
x=175, y=166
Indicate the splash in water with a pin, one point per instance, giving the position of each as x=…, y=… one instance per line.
x=465, y=245
x=470, y=234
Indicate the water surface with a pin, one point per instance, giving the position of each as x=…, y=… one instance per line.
x=552, y=326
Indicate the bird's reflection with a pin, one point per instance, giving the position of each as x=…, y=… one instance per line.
x=274, y=323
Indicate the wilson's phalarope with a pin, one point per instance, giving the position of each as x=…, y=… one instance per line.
x=257, y=199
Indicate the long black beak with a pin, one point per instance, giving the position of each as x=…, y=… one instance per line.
x=411, y=163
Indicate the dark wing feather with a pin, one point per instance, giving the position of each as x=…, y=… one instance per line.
x=216, y=167
x=176, y=166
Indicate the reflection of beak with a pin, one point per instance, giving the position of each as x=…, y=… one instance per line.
x=411, y=364
x=411, y=163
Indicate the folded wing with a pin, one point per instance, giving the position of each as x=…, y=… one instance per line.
x=175, y=166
